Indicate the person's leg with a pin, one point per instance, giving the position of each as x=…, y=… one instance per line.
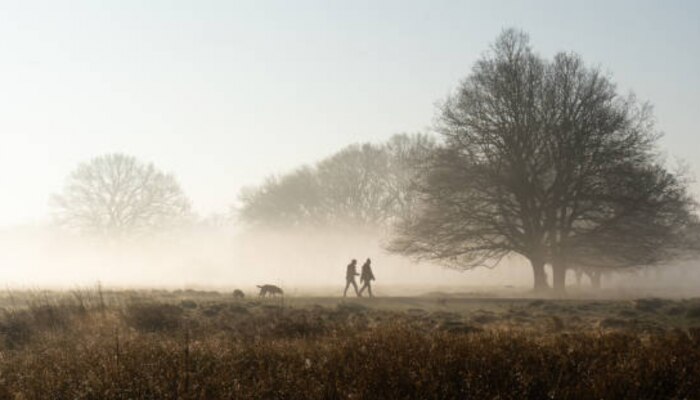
x=354, y=284
x=362, y=289
x=347, y=285
x=369, y=289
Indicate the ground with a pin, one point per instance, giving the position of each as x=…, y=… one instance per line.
x=206, y=344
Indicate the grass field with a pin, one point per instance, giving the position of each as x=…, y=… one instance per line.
x=96, y=344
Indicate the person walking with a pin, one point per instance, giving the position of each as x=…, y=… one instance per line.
x=350, y=275
x=366, y=277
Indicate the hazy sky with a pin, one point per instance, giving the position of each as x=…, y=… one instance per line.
x=223, y=93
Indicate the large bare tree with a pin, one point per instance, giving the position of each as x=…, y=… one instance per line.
x=544, y=159
x=117, y=195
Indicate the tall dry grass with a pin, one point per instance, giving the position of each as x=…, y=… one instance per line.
x=146, y=349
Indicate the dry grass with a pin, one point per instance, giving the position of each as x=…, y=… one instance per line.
x=86, y=348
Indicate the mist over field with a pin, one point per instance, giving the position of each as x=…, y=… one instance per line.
x=308, y=262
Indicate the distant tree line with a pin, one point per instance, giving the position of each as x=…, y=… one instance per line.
x=363, y=185
x=537, y=157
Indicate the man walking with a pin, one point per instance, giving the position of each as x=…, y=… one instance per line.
x=367, y=277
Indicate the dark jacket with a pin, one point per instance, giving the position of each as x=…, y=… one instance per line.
x=367, y=274
x=351, y=272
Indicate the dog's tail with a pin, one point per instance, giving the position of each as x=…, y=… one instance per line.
x=260, y=286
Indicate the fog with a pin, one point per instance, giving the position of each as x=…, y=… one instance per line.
x=303, y=262
x=222, y=259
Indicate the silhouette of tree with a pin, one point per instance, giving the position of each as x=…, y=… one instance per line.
x=407, y=157
x=290, y=200
x=363, y=185
x=116, y=195
x=352, y=185
x=544, y=159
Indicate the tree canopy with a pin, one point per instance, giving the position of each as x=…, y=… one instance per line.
x=117, y=195
x=362, y=185
x=545, y=159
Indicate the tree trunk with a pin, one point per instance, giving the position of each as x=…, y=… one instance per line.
x=595, y=279
x=540, y=275
x=559, y=277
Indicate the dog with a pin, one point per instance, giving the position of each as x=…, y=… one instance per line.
x=271, y=290
x=238, y=294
